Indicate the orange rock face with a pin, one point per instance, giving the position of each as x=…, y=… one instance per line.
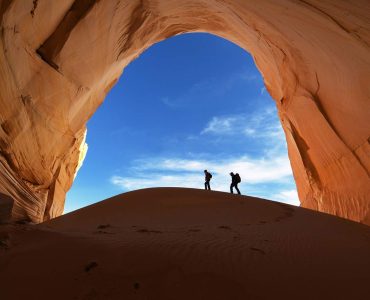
x=59, y=59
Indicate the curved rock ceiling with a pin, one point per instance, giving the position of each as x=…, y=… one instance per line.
x=59, y=59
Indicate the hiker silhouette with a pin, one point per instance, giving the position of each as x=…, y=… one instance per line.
x=235, y=179
x=207, y=178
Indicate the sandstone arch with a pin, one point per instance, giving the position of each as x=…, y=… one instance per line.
x=60, y=58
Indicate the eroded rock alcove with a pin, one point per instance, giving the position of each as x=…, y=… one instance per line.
x=58, y=60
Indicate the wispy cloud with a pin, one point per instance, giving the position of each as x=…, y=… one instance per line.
x=189, y=173
x=225, y=125
x=206, y=86
x=254, y=171
x=247, y=76
x=211, y=86
x=173, y=102
x=268, y=175
x=153, y=179
x=287, y=196
x=263, y=126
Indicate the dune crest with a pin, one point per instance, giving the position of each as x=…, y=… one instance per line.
x=172, y=243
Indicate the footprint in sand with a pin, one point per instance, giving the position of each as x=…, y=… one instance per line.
x=103, y=226
x=103, y=232
x=144, y=230
x=4, y=242
x=258, y=250
x=91, y=266
x=288, y=212
x=224, y=227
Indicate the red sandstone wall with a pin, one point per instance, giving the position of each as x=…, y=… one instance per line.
x=58, y=59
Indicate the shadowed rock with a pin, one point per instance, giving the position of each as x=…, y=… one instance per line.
x=6, y=206
x=59, y=59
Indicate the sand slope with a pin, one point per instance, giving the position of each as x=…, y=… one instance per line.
x=172, y=243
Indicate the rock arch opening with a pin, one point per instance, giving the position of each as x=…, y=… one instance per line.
x=189, y=103
x=59, y=59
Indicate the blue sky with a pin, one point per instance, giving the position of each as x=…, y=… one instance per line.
x=189, y=103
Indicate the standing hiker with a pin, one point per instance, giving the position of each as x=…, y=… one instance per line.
x=235, y=179
x=207, y=178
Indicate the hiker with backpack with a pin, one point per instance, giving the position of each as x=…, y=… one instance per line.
x=235, y=180
x=207, y=177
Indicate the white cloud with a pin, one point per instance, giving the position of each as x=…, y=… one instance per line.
x=263, y=125
x=248, y=76
x=253, y=171
x=152, y=179
x=287, y=196
x=223, y=125
x=211, y=86
x=206, y=86
x=271, y=171
x=172, y=103
x=177, y=172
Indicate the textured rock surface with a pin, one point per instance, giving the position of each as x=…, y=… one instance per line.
x=58, y=59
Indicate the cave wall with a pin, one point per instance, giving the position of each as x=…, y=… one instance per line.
x=59, y=59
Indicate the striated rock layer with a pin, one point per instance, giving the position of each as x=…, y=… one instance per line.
x=58, y=60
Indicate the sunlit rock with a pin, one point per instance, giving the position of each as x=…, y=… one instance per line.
x=59, y=59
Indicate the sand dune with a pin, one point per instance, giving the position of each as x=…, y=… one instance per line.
x=172, y=243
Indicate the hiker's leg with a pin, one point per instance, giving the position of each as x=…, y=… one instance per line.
x=205, y=185
x=231, y=189
x=236, y=187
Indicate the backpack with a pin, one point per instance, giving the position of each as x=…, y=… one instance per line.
x=237, y=178
x=210, y=175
